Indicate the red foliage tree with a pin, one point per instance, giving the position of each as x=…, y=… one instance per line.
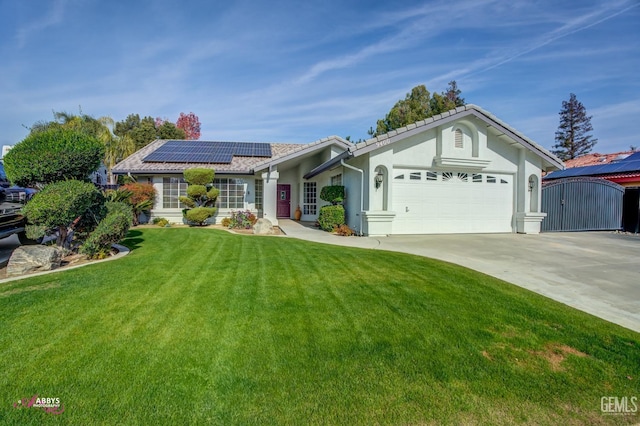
x=190, y=124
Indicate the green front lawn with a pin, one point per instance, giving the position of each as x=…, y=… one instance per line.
x=204, y=327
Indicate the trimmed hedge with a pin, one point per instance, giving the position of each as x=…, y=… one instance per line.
x=199, y=176
x=60, y=203
x=53, y=155
x=110, y=230
x=332, y=194
x=199, y=215
x=331, y=217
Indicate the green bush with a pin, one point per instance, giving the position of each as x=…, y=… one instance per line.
x=110, y=230
x=199, y=176
x=53, y=155
x=331, y=217
x=332, y=194
x=199, y=215
x=60, y=204
x=160, y=221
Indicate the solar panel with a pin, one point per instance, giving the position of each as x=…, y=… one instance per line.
x=629, y=164
x=206, y=152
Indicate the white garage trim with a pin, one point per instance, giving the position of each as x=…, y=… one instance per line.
x=452, y=201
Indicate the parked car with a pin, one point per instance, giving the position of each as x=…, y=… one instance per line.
x=12, y=198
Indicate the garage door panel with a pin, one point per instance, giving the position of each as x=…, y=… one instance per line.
x=451, y=204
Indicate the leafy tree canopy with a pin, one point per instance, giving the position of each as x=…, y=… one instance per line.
x=573, y=137
x=418, y=105
x=190, y=124
x=52, y=155
x=144, y=131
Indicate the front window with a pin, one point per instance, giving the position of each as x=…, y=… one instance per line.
x=336, y=180
x=231, y=193
x=309, y=199
x=172, y=188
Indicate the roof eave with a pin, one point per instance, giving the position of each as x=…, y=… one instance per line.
x=328, y=165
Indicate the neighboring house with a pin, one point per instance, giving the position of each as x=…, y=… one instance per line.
x=622, y=168
x=464, y=171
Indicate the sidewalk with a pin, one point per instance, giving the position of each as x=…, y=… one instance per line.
x=308, y=232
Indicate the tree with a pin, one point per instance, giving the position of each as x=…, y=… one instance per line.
x=453, y=94
x=201, y=195
x=144, y=131
x=418, y=105
x=115, y=148
x=52, y=155
x=190, y=124
x=572, y=137
x=61, y=205
x=169, y=131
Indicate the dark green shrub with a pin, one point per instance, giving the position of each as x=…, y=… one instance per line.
x=331, y=217
x=61, y=206
x=110, y=230
x=199, y=176
x=53, y=155
x=199, y=215
x=332, y=194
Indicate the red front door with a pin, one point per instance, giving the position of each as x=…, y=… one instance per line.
x=284, y=201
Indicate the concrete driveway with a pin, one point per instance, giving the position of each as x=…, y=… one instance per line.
x=596, y=272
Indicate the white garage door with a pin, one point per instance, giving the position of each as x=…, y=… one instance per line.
x=445, y=202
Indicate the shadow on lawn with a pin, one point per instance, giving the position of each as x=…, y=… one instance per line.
x=132, y=241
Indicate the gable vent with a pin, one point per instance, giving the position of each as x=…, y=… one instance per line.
x=458, y=139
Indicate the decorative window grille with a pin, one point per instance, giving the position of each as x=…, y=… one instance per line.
x=259, y=190
x=231, y=193
x=309, y=205
x=172, y=188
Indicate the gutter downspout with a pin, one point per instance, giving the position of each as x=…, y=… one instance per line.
x=361, y=189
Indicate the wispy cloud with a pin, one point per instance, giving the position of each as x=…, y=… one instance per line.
x=572, y=26
x=52, y=17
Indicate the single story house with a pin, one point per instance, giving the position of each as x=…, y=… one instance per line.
x=463, y=171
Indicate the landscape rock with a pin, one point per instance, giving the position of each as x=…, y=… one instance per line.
x=36, y=258
x=263, y=227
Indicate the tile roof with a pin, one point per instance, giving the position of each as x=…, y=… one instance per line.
x=596, y=158
x=620, y=165
x=451, y=115
x=240, y=165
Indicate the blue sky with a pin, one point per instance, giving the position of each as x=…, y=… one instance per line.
x=295, y=71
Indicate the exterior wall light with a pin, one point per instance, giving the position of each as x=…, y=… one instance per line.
x=378, y=179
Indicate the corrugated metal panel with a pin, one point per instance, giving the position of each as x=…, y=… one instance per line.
x=584, y=204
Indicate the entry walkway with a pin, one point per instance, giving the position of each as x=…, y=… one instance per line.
x=596, y=272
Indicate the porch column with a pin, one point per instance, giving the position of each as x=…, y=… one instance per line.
x=270, y=196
